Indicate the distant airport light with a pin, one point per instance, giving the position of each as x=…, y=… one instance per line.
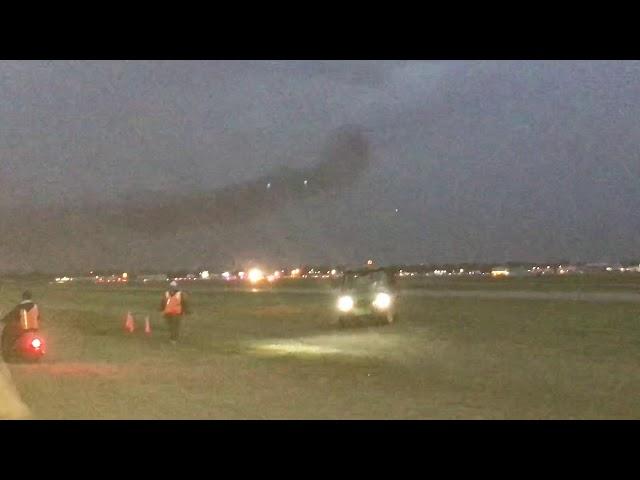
x=500, y=272
x=255, y=275
x=205, y=275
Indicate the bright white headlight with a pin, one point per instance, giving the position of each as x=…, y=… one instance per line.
x=382, y=301
x=345, y=303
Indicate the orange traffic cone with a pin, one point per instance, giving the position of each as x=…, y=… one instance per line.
x=147, y=326
x=129, y=324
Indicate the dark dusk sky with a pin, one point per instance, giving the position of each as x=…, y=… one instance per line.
x=185, y=164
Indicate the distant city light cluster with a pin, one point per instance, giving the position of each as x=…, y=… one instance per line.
x=258, y=275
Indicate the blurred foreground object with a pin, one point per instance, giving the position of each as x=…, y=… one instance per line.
x=11, y=406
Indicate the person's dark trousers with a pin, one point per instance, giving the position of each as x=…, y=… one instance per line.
x=174, y=326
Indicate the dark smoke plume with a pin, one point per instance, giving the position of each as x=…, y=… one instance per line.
x=346, y=157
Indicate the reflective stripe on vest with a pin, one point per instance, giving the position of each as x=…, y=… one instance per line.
x=173, y=305
x=29, y=319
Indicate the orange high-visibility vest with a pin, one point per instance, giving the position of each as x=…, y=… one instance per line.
x=173, y=304
x=29, y=320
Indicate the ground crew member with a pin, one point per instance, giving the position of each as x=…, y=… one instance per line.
x=25, y=317
x=173, y=307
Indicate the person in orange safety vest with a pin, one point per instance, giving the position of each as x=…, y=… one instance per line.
x=174, y=307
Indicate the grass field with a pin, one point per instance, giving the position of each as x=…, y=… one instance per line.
x=275, y=355
x=604, y=282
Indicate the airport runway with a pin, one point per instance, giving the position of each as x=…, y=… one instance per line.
x=482, y=294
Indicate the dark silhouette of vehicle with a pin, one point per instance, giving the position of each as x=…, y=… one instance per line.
x=367, y=294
